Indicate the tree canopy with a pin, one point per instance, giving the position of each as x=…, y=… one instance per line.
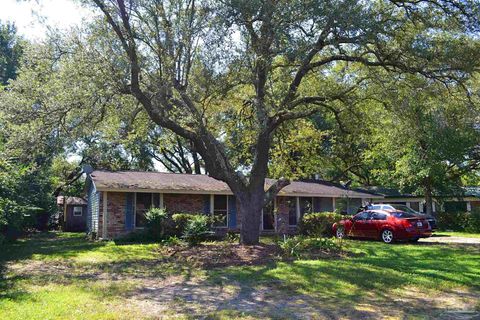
x=254, y=88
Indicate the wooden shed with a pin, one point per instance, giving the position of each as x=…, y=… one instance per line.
x=73, y=213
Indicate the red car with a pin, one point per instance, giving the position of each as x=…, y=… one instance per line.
x=388, y=226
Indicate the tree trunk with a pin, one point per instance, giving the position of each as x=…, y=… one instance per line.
x=250, y=207
x=196, y=161
x=428, y=198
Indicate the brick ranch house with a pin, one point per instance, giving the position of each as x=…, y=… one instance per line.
x=117, y=201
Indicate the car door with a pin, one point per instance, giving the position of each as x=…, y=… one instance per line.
x=378, y=222
x=360, y=224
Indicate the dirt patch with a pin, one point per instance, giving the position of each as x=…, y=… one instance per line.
x=229, y=254
x=198, y=298
x=222, y=255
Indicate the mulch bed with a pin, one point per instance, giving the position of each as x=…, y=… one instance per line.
x=221, y=255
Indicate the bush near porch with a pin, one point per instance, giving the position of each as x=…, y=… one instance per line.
x=161, y=226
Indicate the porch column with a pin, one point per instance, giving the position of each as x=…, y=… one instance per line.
x=297, y=199
x=212, y=203
x=469, y=206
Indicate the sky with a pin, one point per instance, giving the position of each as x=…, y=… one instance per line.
x=33, y=17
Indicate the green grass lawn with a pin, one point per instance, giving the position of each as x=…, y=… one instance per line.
x=64, y=276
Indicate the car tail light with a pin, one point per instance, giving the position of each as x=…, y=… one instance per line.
x=406, y=223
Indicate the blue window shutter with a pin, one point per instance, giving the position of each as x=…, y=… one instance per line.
x=232, y=212
x=206, y=204
x=129, y=211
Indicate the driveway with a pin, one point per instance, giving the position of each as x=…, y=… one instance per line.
x=451, y=239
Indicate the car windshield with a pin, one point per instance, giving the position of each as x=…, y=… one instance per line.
x=403, y=215
x=401, y=207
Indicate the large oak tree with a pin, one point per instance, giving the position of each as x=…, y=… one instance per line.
x=233, y=79
x=182, y=57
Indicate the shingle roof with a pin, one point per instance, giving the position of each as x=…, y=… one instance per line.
x=71, y=200
x=387, y=192
x=196, y=183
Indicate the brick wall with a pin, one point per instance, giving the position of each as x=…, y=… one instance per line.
x=282, y=217
x=116, y=214
x=183, y=203
x=100, y=215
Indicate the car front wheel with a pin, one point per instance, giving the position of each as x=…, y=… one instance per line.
x=387, y=236
x=340, y=232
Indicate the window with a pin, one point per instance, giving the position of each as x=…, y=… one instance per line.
x=455, y=206
x=268, y=217
x=220, y=210
x=77, y=211
x=306, y=206
x=156, y=200
x=378, y=216
x=362, y=216
x=415, y=206
x=143, y=204
x=292, y=211
x=403, y=215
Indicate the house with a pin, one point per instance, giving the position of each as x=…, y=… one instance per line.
x=118, y=201
x=73, y=213
x=468, y=201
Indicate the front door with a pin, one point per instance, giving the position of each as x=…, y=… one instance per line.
x=377, y=221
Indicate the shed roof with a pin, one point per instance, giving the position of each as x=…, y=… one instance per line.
x=197, y=183
x=76, y=201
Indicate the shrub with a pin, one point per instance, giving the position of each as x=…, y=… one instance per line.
x=455, y=221
x=180, y=221
x=197, y=230
x=232, y=237
x=300, y=246
x=158, y=223
x=459, y=221
x=171, y=241
x=473, y=222
x=12, y=218
x=318, y=224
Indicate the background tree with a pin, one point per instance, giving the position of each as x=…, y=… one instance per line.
x=427, y=134
x=10, y=52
